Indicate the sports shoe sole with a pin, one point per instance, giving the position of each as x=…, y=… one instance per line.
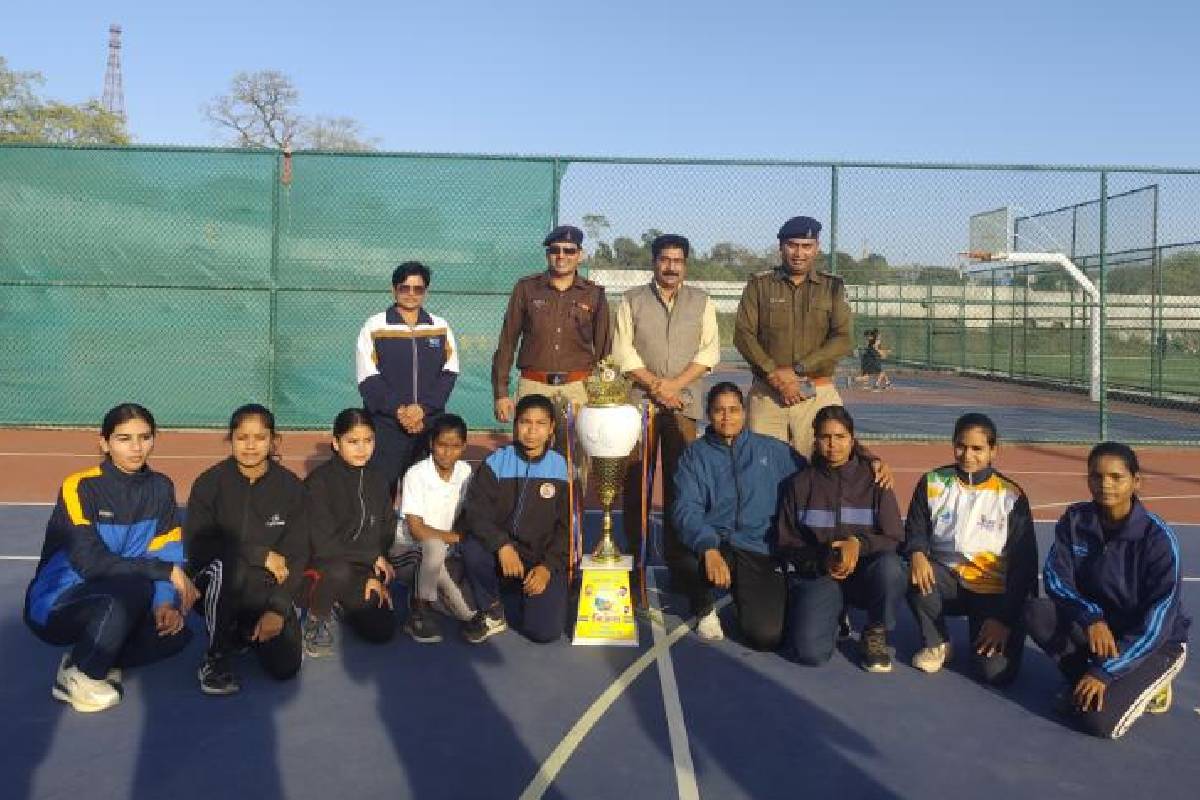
x=216, y=691
x=433, y=638
x=489, y=633
x=878, y=668
x=60, y=693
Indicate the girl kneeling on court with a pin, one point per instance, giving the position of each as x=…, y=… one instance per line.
x=971, y=545
x=352, y=524
x=1113, y=621
x=837, y=533
x=110, y=581
x=517, y=515
x=246, y=548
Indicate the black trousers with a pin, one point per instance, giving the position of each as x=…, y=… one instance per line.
x=815, y=604
x=1126, y=697
x=341, y=583
x=110, y=623
x=234, y=596
x=949, y=597
x=759, y=592
x=396, y=450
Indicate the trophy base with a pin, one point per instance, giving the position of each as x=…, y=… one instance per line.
x=605, y=614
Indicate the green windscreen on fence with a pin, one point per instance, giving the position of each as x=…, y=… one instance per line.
x=194, y=281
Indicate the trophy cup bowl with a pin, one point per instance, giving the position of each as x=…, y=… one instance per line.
x=608, y=428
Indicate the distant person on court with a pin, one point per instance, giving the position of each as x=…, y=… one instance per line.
x=971, y=545
x=561, y=321
x=1113, y=622
x=406, y=362
x=726, y=494
x=352, y=525
x=517, y=517
x=430, y=530
x=110, y=582
x=246, y=545
x=871, y=364
x=666, y=340
x=793, y=327
x=837, y=537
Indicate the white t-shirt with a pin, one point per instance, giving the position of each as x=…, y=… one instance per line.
x=434, y=500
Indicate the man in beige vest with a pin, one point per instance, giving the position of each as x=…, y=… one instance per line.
x=665, y=341
x=793, y=326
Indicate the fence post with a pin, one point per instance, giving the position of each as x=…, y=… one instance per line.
x=833, y=217
x=1103, y=302
x=556, y=177
x=992, y=329
x=929, y=321
x=1156, y=304
x=272, y=290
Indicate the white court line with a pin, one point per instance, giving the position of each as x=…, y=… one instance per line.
x=681, y=750
x=1149, y=497
x=18, y=558
x=554, y=763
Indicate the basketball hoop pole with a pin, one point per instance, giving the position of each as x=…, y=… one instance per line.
x=1079, y=277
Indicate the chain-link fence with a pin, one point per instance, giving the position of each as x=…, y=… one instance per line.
x=195, y=280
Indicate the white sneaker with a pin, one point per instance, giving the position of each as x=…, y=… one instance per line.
x=709, y=627
x=932, y=659
x=83, y=693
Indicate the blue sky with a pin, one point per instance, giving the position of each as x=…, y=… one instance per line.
x=1019, y=81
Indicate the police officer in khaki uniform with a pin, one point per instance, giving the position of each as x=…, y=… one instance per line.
x=793, y=326
x=561, y=321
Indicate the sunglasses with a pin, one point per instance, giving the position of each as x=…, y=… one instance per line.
x=404, y=288
x=561, y=250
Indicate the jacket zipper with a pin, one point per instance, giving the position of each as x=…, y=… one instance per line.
x=362, y=506
x=737, y=490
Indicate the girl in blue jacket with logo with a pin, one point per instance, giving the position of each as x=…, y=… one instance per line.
x=1113, y=621
x=109, y=581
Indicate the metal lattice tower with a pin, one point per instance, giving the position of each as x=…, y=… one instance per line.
x=114, y=90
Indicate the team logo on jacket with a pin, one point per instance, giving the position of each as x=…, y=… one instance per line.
x=1080, y=550
x=546, y=490
x=275, y=521
x=104, y=513
x=435, y=341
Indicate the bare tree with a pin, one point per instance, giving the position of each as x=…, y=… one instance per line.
x=260, y=109
x=335, y=133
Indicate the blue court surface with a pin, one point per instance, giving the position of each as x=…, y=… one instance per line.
x=673, y=718
x=920, y=404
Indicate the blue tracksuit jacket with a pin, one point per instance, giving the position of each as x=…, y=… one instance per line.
x=729, y=493
x=108, y=523
x=1131, y=581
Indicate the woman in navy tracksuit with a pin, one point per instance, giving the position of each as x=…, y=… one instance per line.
x=1113, y=621
x=110, y=581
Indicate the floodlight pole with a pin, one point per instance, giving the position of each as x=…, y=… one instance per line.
x=1080, y=278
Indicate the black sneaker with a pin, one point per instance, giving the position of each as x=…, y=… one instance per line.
x=844, y=629
x=482, y=626
x=421, y=626
x=216, y=677
x=874, y=649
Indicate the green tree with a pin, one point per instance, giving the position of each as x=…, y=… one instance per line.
x=27, y=117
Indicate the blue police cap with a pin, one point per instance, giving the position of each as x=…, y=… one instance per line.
x=564, y=233
x=800, y=228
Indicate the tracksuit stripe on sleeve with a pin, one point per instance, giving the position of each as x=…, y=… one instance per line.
x=1154, y=629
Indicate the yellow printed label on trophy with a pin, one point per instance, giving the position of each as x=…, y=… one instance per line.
x=605, y=609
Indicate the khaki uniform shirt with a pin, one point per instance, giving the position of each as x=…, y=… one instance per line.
x=782, y=324
x=565, y=331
